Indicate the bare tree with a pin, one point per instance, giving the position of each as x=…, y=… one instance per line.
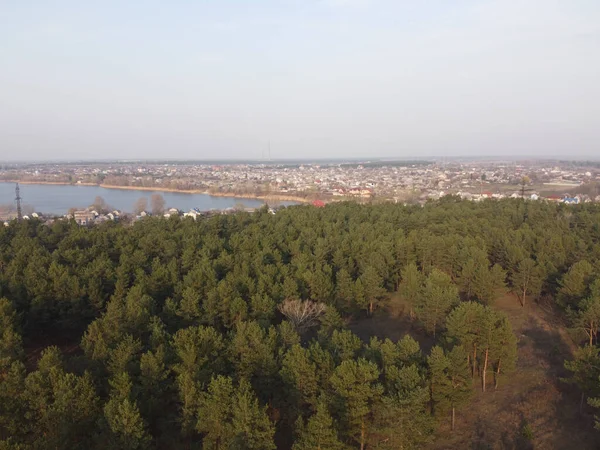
x=239, y=206
x=158, y=204
x=302, y=314
x=140, y=205
x=100, y=205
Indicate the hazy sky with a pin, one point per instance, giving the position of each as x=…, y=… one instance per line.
x=318, y=78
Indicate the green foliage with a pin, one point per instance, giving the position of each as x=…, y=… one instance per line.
x=527, y=432
x=438, y=298
x=62, y=405
x=527, y=280
x=178, y=319
x=450, y=379
x=403, y=420
x=319, y=433
x=230, y=417
x=486, y=337
x=357, y=394
x=411, y=286
x=11, y=348
x=575, y=284
x=585, y=370
x=299, y=375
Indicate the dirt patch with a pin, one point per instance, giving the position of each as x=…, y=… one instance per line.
x=68, y=344
x=392, y=320
x=532, y=408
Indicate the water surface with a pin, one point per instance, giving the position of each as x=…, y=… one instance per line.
x=58, y=199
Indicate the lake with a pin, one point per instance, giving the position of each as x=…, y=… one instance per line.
x=58, y=199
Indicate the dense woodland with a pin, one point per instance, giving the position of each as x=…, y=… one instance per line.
x=231, y=332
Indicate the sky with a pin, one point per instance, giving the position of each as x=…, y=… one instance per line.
x=218, y=79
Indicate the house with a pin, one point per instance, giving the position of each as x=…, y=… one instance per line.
x=318, y=203
x=84, y=217
x=554, y=198
x=571, y=200
x=193, y=213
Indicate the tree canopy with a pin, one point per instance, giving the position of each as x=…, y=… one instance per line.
x=175, y=333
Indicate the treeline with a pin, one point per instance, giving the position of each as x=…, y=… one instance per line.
x=185, y=334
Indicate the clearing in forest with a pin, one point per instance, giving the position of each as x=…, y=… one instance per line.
x=532, y=408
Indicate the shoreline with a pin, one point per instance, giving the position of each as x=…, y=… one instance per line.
x=273, y=196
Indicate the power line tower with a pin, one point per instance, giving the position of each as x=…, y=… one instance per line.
x=524, y=191
x=18, y=200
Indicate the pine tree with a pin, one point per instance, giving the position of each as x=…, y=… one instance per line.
x=488, y=281
x=231, y=417
x=439, y=296
x=214, y=414
x=411, y=285
x=11, y=348
x=575, y=284
x=357, y=394
x=373, y=289
x=344, y=291
x=13, y=421
x=486, y=336
x=343, y=345
x=439, y=382
x=126, y=427
x=503, y=349
x=62, y=407
x=527, y=280
x=252, y=428
x=585, y=369
x=586, y=318
x=460, y=382
x=299, y=375
x=319, y=433
x=402, y=420
x=126, y=424
x=467, y=278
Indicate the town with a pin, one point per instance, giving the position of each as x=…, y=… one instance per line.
x=415, y=181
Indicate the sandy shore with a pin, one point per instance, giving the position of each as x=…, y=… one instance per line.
x=274, y=196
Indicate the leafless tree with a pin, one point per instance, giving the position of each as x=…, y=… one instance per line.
x=158, y=204
x=239, y=206
x=302, y=314
x=100, y=205
x=140, y=205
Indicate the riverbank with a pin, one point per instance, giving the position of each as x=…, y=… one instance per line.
x=262, y=197
x=277, y=197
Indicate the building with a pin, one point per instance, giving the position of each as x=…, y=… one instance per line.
x=84, y=217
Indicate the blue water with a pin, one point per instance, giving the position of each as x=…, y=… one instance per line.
x=57, y=199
